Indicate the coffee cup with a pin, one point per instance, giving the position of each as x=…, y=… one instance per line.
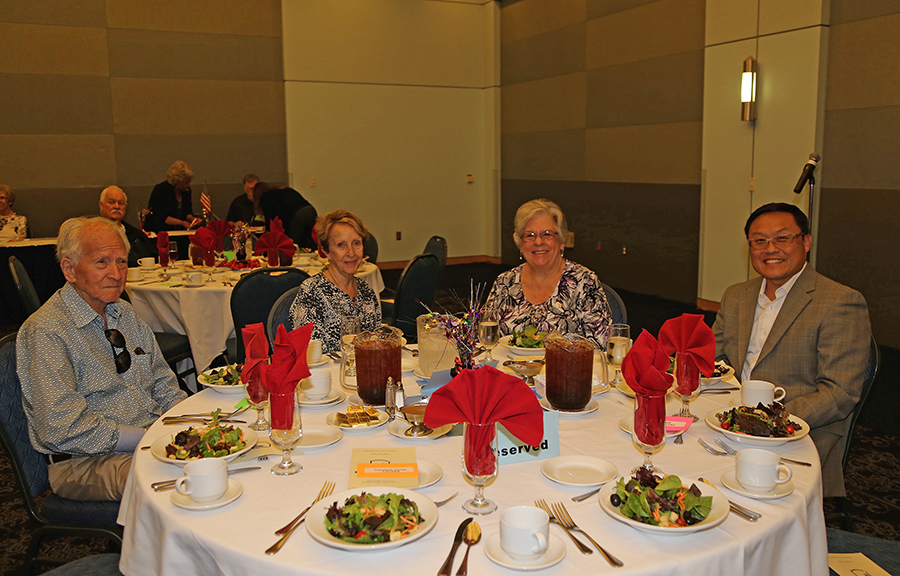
x=193, y=277
x=317, y=386
x=755, y=391
x=314, y=351
x=204, y=480
x=147, y=263
x=133, y=274
x=759, y=470
x=524, y=532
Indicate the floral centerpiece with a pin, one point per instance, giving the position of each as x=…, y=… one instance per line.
x=462, y=328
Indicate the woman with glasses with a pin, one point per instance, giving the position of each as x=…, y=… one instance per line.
x=548, y=291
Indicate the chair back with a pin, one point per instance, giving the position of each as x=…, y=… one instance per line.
x=28, y=296
x=616, y=305
x=370, y=248
x=416, y=287
x=437, y=245
x=280, y=315
x=871, y=372
x=255, y=294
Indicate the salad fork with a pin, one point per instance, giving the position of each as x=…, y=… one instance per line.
x=326, y=491
x=543, y=506
x=732, y=451
x=710, y=449
x=565, y=520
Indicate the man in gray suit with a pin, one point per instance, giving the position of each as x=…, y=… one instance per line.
x=799, y=330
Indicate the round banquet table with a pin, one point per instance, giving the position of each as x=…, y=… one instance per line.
x=163, y=539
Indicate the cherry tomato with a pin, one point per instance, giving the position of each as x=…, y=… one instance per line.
x=360, y=534
x=726, y=425
x=790, y=429
x=680, y=522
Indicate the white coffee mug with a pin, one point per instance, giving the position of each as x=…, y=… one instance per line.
x=317, y=386
x=755, y=391
x=759, y=470
x=147, y=263
x=194, y=277
x=314, y=351
x=204, y=480
x=524, y=532
x=133, y=274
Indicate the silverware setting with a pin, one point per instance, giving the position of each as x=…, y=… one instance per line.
x=472, y=537
x=742, y=511
x=718, y=390
x=585, y=496
x=732, y=451
x=581, y=546
x=170, y=484
x=289, y=529
x=445, y=500
x=566, y=521
x=457, y=540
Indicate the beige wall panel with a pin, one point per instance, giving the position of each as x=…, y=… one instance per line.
x=247, y=17
x=385, y=42
x=526, y=18
x=142, y=160
x=36, y=49
x=779, y=16
x=654, y=154
x=59, y=12
x=552, y=53
x=155, y=54
x=730, y=20
x=544, y=105
x=164, y=106
x=861, y=148
x=57, y=161
x=843, y=11
x=46, y=104
x=47, y=208
x=600, y=8
x=544, y=155
x=651, y=31
x=633, y=93
x=855, y=80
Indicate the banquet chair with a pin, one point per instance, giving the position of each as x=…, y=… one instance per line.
x=437, y=245
x=255, y=294
x=280, y=315
x=28, y=296
x=370, y=248
x=616, y=305
x=415, y=290
x=58, y=516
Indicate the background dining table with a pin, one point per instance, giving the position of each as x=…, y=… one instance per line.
x=161, y=538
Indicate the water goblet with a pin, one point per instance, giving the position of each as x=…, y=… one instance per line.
x=286, y=430
x=209, y=264
x=258, y=397
x=617, y=346
x=687, y=383
x=649, y=432
x=479, y=464
x=173, y=253
x=489, y=332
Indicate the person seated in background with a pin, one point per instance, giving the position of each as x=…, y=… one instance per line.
x=297, y=215
x=243, y=209
x=113, y=204
x=170, y=202
x=799, y=330
x=93, y=378
x=548, y=291
x=12, y=225
x=324, y=298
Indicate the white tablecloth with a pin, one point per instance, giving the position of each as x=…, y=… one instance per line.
x=204, y=313
x=163, y=539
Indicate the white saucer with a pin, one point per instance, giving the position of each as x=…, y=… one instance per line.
x=193, y=284
x=579, y=470
x=322, y=361
x=331, y=420
x=625, y=389
x=319, y=437
x=233, y=493
x=735, y=403
x=399, y=426
x=355, y=400
x=429, y=473
x=591, y=406
x=780, y=491
x=556, y=551
x=333, y=397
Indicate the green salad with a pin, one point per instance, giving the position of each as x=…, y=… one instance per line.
x=528, y=338
x=225, y=376
x=659, y=501
x=213, y=441
x=370, y=519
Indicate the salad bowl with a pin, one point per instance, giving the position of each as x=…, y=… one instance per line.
x=757, y=441
x=158, y=448
x=726, y=373
x=506, y=342
x=205, y=378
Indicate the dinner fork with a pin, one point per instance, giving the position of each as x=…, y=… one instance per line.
x=566, y=522
x=326, y=491
x=732, y=451
x=581, y=546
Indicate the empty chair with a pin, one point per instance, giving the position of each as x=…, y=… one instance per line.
x=416, y=287
x=28, y=296
x=437, y=245
x=255, y=294
x=280, y=314
x=616, y=305
x=370, y=248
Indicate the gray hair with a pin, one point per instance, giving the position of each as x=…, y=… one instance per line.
x=10, y=195
x=251, y=178
x=104, y=194
x=540, y=207
x=179, y=172
x=71, y=235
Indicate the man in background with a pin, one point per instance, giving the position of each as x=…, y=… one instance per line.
x=113, y=204
x=243, y=209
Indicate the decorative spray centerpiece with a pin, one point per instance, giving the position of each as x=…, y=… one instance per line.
x=462, y=329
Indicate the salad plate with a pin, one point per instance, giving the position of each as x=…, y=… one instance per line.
x=429, y=473
x=781, y=490
x=626, y=424
x=319, y=437
x=717, y=513
x=506, y=342
x=209, y=381
x=725, y=370
x=383, y=418
x=315, y=518
x=234, y=491
x=333, y=397
x=578, y=470
x=591, y=406
x=757, y=441
x=399, y=426
x=158, y=448
x=556, y=551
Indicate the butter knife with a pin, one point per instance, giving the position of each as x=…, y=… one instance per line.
x=170, y=484
x=447, y=568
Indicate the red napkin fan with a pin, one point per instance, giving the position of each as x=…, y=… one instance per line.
x=162, y=242
x=205, y=239
x=644, y=369
x=221, y=229
x=689, y=334
x=274, y=241
x=276, y=225
x=288, y=367
x=256, y=348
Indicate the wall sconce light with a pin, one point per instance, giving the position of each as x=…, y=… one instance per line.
x=748, y=90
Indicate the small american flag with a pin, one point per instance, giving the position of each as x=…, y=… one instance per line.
x=205, y=200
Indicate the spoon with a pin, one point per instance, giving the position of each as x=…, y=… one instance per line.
x=472, y=537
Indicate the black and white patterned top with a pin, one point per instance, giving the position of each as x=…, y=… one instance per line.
x=74, y=399
x=577, y=306
x=321, y=302
x=13, y=226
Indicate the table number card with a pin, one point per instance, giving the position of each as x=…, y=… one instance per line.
x=512, y=450
x=384, y=467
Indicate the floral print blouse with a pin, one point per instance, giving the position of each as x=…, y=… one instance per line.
x=578, y=305
x=13, y=226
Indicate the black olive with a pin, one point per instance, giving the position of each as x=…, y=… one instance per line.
x=690, y=519
x=615, y=500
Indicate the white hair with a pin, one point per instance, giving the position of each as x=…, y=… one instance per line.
x=104, y=194
x=71, y=235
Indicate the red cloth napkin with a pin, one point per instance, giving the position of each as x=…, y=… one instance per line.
x=276, y=225
x=220, y=228
x=281, y=377
x=256, y=348
x=162, y=242
x=205, y=239
x=644, y=369
x=274, y=240
x=689, y=334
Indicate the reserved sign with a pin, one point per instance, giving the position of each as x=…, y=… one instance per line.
x=512, y=450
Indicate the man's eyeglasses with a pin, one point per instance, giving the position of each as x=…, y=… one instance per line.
x=123, y=358
x=779, y=241
x=546, y=236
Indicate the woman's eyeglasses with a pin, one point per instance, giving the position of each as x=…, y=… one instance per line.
x=546, y=236
x=123, y=358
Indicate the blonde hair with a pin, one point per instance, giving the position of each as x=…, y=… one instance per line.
x=179, y=172
x=325, y=223
x=10, y=195
x=72, y=233
x=540, y=207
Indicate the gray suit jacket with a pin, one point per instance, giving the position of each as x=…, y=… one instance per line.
x=817, y=351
